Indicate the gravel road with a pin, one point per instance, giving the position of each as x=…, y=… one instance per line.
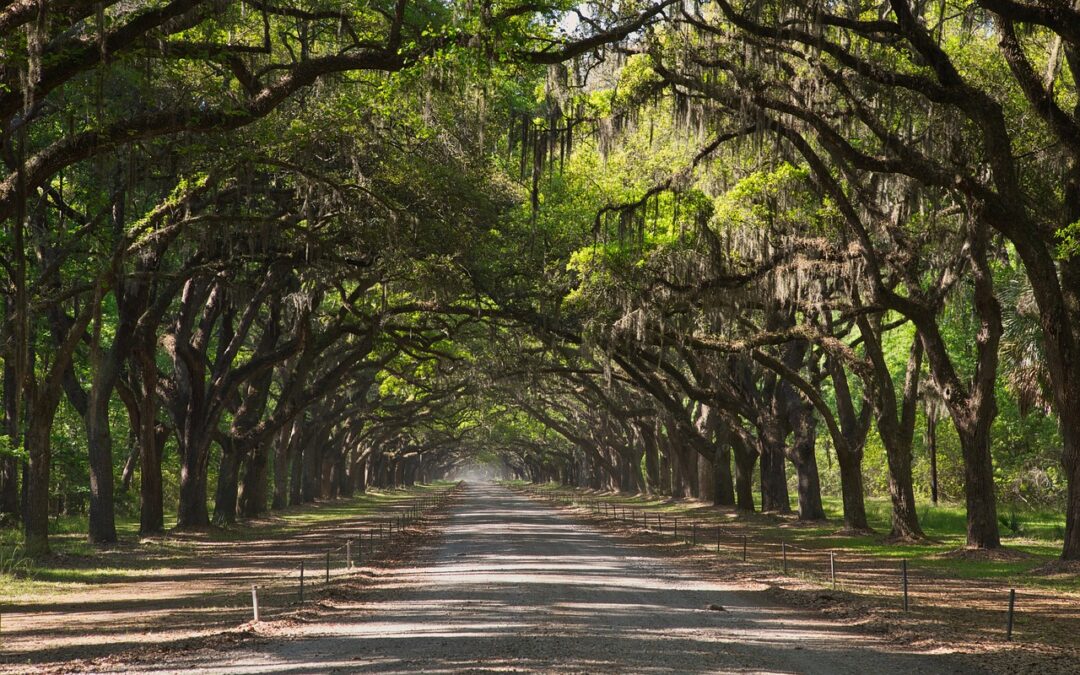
x=516, y=586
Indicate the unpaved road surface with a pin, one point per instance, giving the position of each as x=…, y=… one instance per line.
x=514, y=585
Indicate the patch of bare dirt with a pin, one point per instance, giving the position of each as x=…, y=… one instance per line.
x=987, y=555
x=1057, y=568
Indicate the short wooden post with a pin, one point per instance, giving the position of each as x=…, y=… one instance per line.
x=255, y=603
x=1012, y=606
x=744, y=548
x=783, y=547
x=903, y=571
x=675, y=535
x=832, y=568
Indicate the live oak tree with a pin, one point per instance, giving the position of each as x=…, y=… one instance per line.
x=294, y=249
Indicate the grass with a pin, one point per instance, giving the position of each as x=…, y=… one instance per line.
x=75, y=563
x=1034, y=534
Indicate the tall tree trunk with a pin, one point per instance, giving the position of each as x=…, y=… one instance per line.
x=192, y=511
x=854, y=427
x=774, y=489
x=979, y=489
x=706, y=477
x=151, y=442
x=974, y=407
x=102, y=520
x=312, y=467
x=852, y=491
x=345, y=482
x=9, y=466
x=228, y=483
x=652, y=459
x=804, y=458
x=745, y=458
x=905, y=517
x=717, y=471
x=689, y=459
x=680, y=478
x=1071, y=462
x=931, y=446
x=39, y=449
x=283, y=462
x=43, y=396
x=253, y=483
x=358, y=475
x=9, y=486
x=296, y=470
x=1058, y=299
x=724, y=488
x=666, y=470
x=896, y=427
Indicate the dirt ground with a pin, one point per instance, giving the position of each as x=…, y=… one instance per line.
x=509, y=584
x=178, y=600
x=500, y=582
x=966, y=616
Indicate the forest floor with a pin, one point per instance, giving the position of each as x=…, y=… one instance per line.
x=957, y=599
x=172, y=589
x=506, y=583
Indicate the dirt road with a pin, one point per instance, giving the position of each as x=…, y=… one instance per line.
x=513, y=585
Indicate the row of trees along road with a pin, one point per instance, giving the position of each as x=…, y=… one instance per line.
x=286, y=249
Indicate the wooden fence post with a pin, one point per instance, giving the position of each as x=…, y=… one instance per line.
x=903, y=571
x=1012, y=606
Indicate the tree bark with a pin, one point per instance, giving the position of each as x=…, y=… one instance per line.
x=850, y=446
x=296, y=468
x=192, y=511
x=253, y=484
x=284, y=459
x=896, y=427
x=39, y=448
x=228, y=483
x=804, y=457
x=652, y=458
x=931, y=446
x=358, y=475
x=9, y=466
x=774, y=489
x=151, y=441
x=745, y=458
x=311, y=479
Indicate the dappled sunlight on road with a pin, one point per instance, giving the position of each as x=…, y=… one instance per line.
x=516, y=586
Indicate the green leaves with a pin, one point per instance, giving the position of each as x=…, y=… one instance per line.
x=1068, y=241
x=8, y=450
